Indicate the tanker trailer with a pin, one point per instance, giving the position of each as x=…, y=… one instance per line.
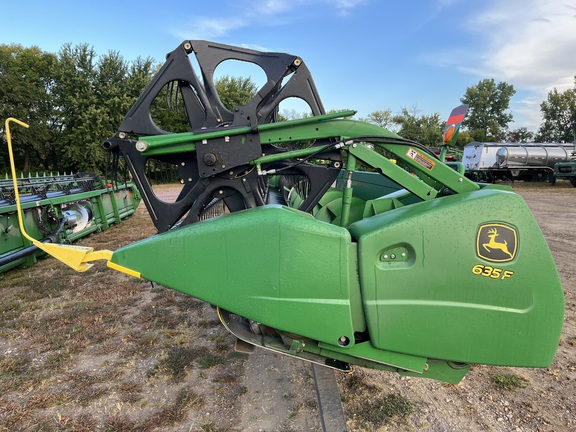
x=514, y=161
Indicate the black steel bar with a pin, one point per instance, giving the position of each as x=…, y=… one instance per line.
x=329, y=402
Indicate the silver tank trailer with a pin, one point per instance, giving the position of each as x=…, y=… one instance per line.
x=533, y=155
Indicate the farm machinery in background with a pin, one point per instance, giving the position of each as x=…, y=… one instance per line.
x=57, y=209
x=566, y=169
x=489, y=161
x=407, y=266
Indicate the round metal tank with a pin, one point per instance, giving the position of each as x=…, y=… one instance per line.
x=532, y=155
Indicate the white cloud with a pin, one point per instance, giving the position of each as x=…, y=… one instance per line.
x=210, y=28
x=254, y=13
x=344, y=6
x=530, y=44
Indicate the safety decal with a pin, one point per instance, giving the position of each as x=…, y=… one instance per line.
x=496, y=242
x=420, y=159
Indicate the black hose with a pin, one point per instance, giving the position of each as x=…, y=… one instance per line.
x=22, y=253
x=32, y=249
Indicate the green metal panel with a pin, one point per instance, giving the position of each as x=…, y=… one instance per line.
x=272, y=264
x=10, y=238
x=431, y=288
x=366, y=351
x=368, y=185
x=391, y=170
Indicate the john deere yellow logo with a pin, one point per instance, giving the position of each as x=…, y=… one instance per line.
x=496, y=242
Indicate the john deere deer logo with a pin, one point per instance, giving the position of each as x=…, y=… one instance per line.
x=496, y=242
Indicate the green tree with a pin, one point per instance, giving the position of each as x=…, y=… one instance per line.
x=488, y=118
x=521, y=135
x=432, y=127
x=558, y=114
x=71, y=100
x=26, y=94
x=167, y=109
x=170, y=115
x=425, y=129
x=235, y=91
x=76, y=105
x=292, y=114
x=380, y=118
x=92, y=96
x=464, y=138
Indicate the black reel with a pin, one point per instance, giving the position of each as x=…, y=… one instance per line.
x=219, y=169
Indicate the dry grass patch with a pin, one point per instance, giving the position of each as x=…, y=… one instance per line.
x=103, y=351
x=369, y=407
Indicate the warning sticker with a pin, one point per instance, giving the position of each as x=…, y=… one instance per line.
x=420, y=159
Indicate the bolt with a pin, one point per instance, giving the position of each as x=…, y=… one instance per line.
x=122, y=135
x=403, y=254
x=297, y=62
x=393, y=256
x=460, y=179
x=209, y=159
x=141, y=146
x=220, y=192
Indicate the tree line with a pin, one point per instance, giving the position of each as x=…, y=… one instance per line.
x=74, y=99
x=488, y=118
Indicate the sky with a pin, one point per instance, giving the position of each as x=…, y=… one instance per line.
x=366, y=55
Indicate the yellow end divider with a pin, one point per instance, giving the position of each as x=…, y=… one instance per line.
x=77, y=257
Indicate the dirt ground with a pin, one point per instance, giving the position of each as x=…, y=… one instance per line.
x=544, y=399
x=102, y=351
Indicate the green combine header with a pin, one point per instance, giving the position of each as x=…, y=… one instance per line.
x=57, y=209
x=338, y=242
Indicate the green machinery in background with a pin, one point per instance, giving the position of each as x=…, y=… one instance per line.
x=58, y=209
x=340, y=242
x=567, y=169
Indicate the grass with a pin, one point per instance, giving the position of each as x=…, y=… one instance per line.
x=369, y=406
x=507, y=381
x=383, y=409
x=177, y=361
x=103, y=351
x=176, y=411
x=209, y=361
